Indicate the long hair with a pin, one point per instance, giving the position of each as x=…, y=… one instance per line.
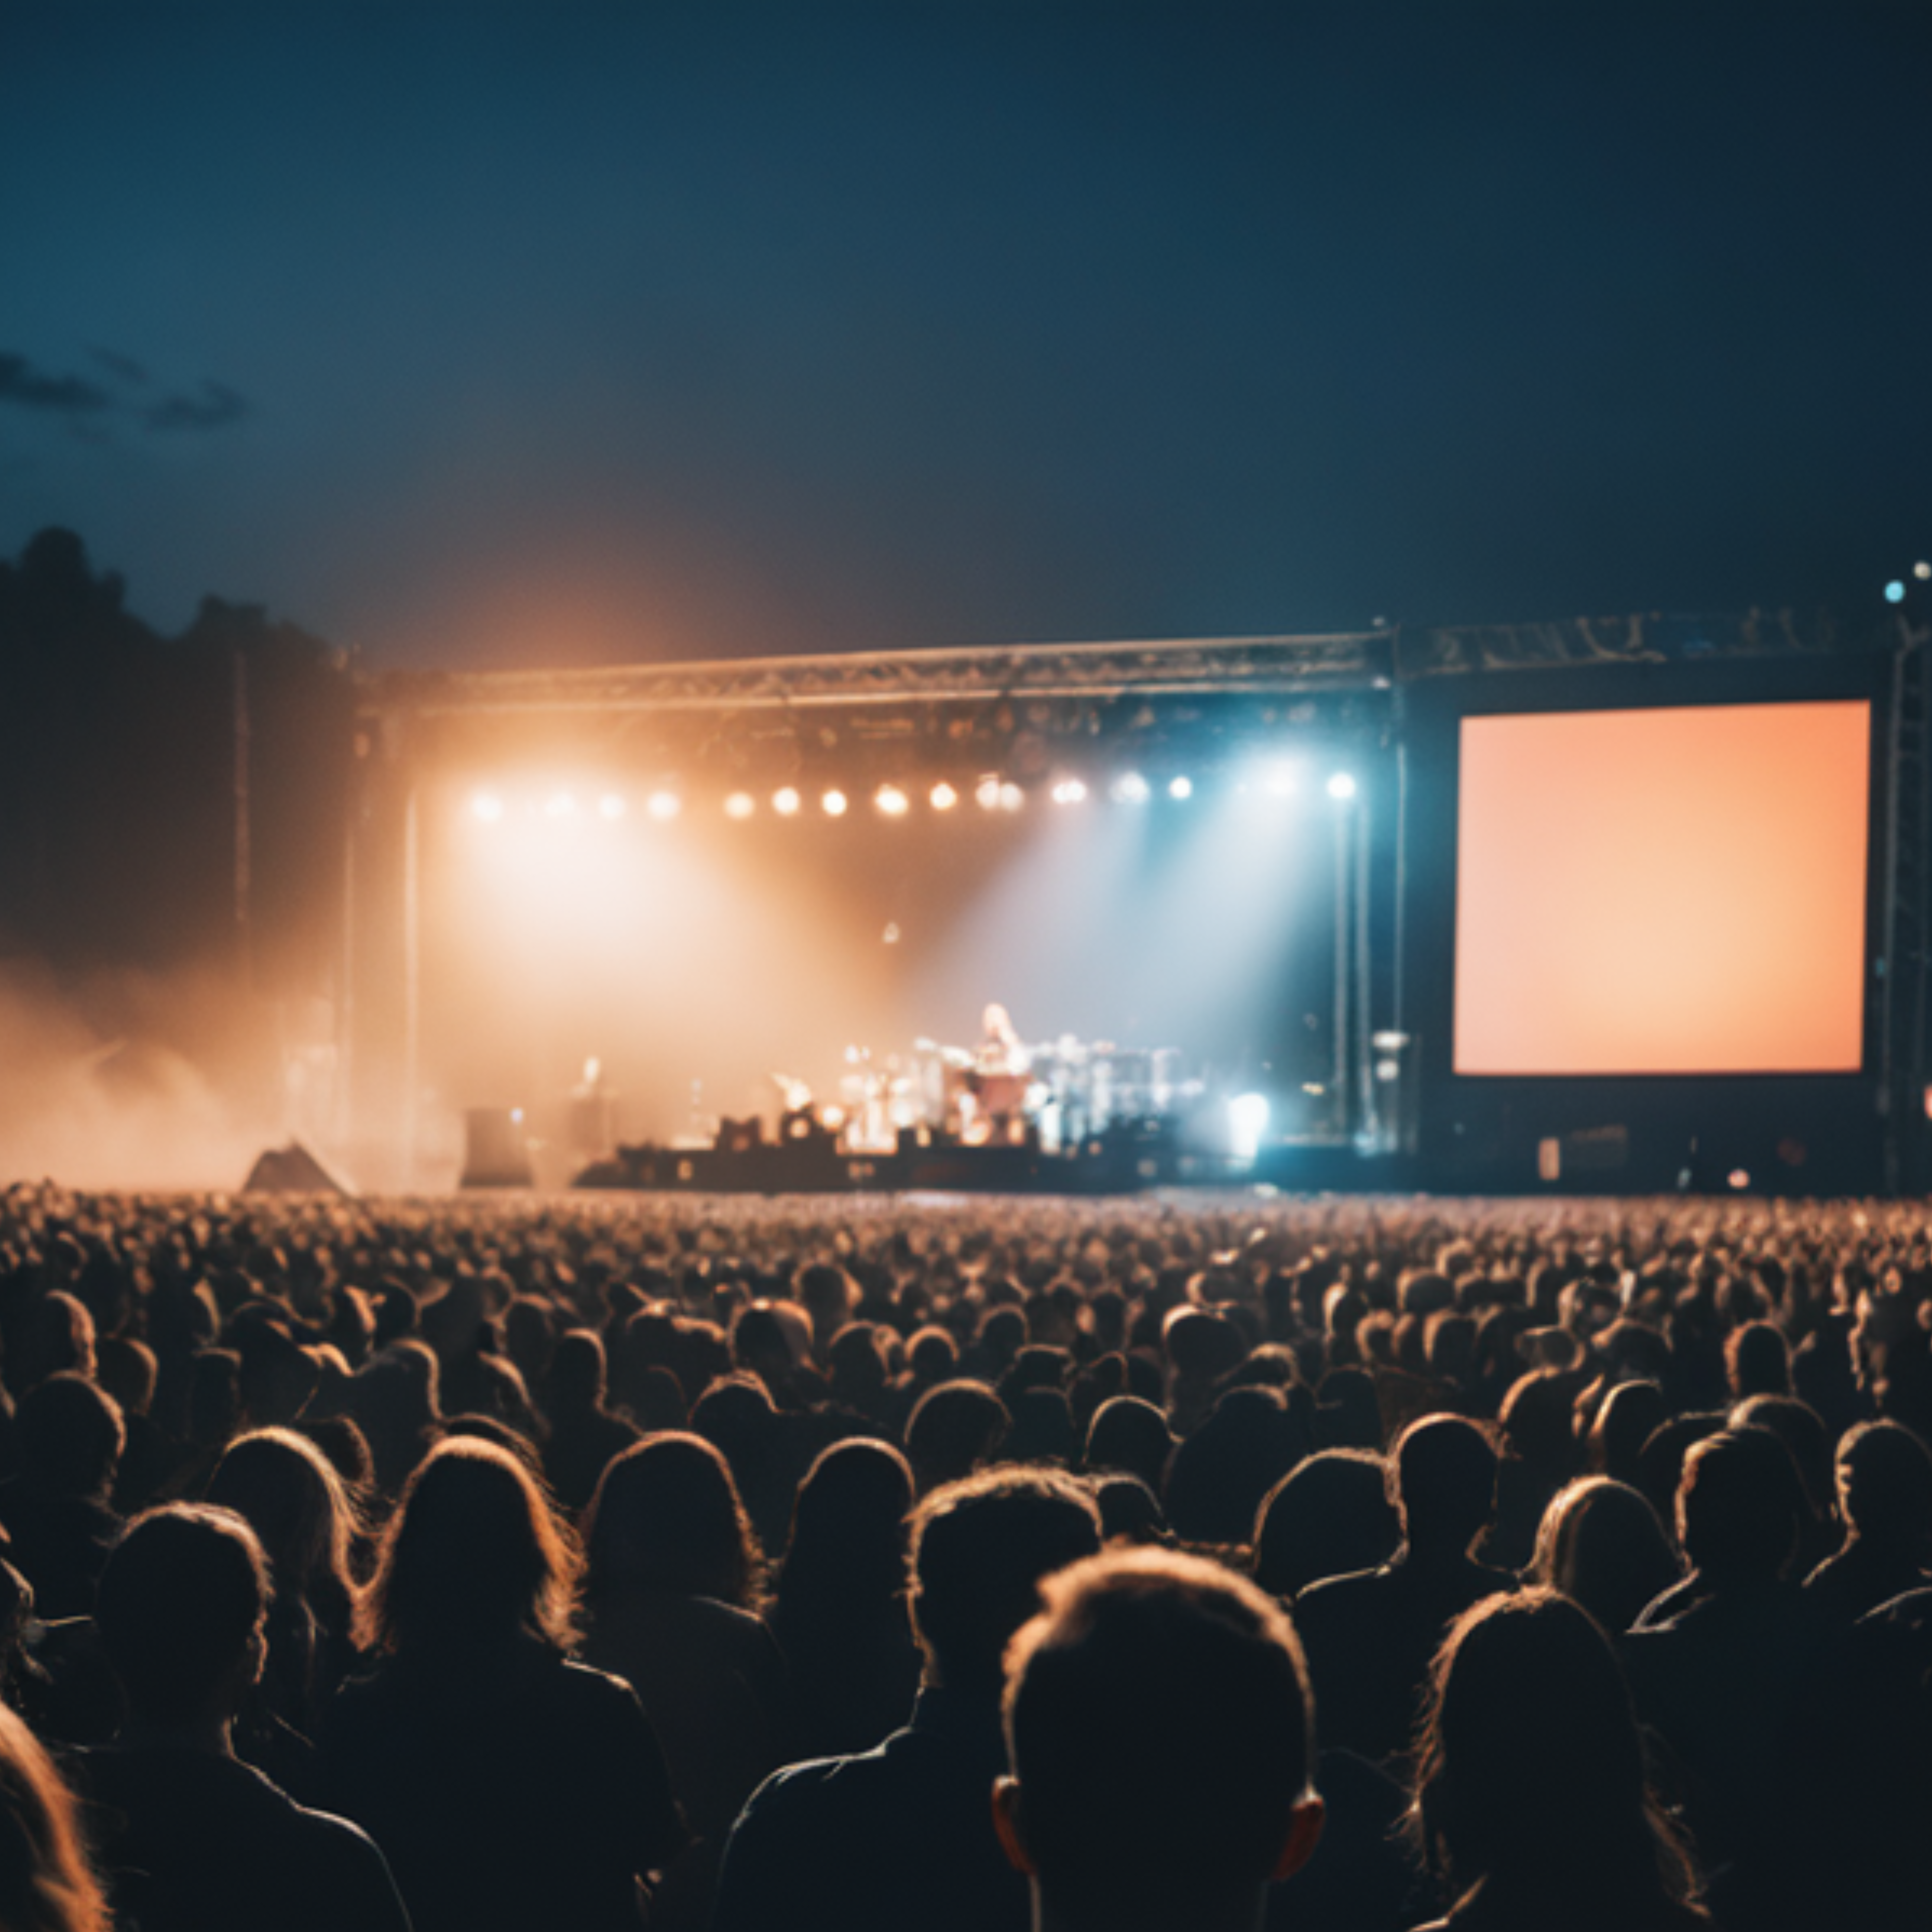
x=46, y=1883
x=1602, y=1544
x=668, y=1516
x=849, y=1531
x=292, y=1497
x=475, y=1554
x=1530, y=1774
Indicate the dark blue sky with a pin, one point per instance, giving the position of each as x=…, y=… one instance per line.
x=506, y=334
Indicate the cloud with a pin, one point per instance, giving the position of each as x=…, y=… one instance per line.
x=214, y=405
x=124, y=367
x=22, y=383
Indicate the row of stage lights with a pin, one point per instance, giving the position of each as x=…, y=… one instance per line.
x=991, y=793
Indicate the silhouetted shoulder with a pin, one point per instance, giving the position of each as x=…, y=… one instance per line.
x=191, y=1840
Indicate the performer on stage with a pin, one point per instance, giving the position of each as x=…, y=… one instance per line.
x=1000, y=1079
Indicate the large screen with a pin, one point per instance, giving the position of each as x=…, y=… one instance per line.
x=1678, y=890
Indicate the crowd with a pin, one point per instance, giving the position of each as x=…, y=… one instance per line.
x=1159, y=1564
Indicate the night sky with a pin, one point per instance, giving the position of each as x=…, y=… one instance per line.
x=557, y=333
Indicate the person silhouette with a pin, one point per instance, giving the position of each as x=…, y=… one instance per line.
x=1530, y=1802
x=903, y=1834
x=1160, y=1738
x=1370, y=1637
x=190, y=1836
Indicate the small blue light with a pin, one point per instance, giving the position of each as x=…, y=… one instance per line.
x=1894, y=592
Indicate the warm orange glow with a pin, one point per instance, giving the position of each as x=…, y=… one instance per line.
x=740, y=805
x=1669, y=891
x=833, y=802
x=943, y=797
x=891, y=800
x=785, y=801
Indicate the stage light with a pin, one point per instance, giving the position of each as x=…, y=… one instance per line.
x=1341, y=785
x=664, y=805
x=1923, y=571
x=890, y=800
x=1894, y=592
x=487, y=806
x=561, y=804
x=1283, y=780
x=1068, y=791
x=1739, y=1179
x=832, y=803
x=742, y=805
x=943, y=796
x=785, y=801
x=1011, y=796
x=611, y=805
x=987, y=791
x=1130, y=788
x=1247, y=1121
x=1181, y=787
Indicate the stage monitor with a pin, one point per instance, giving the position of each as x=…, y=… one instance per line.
x=1678, y=890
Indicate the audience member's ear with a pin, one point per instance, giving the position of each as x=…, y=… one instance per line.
x=1304, y=1833
x=1007, y=1824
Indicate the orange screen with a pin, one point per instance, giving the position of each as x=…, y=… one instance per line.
x=1678, y=891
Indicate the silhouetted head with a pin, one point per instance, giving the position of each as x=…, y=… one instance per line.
x=1330, y=1515
x=1220, y=1474
x=1625, y=1421
x=474, y=1555
x=46, y=1883
x=1802, y=1431
x=214, y=1396
x=1601, y=1544
x=1530, y=1771
x=952, y=1429
x=980, y=1548
x=849, y=1525
x=1739, y=1506
x=933, y=1357
x=70, y=1435
x=855, y=1362
x=1885, y=1485
x=180, y=1611
x=577, y=1373
x=288, y=1493
x=59, y=1338
x=1757, y=1361
x=666, y=1515
x=1160, y=1734
x=1130, y=1512
x=1132, y=1436
x=1445, y=1484
x=127, y=1370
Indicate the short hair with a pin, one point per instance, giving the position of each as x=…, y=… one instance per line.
x=71, y=1435
x=980, y=1547
x=1160, y=1722
x=1885, y=1481
x=183, y=1591
x=474, y=1551
x=1740, y=1504
x=1445, y=1472
x=953, y=1428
